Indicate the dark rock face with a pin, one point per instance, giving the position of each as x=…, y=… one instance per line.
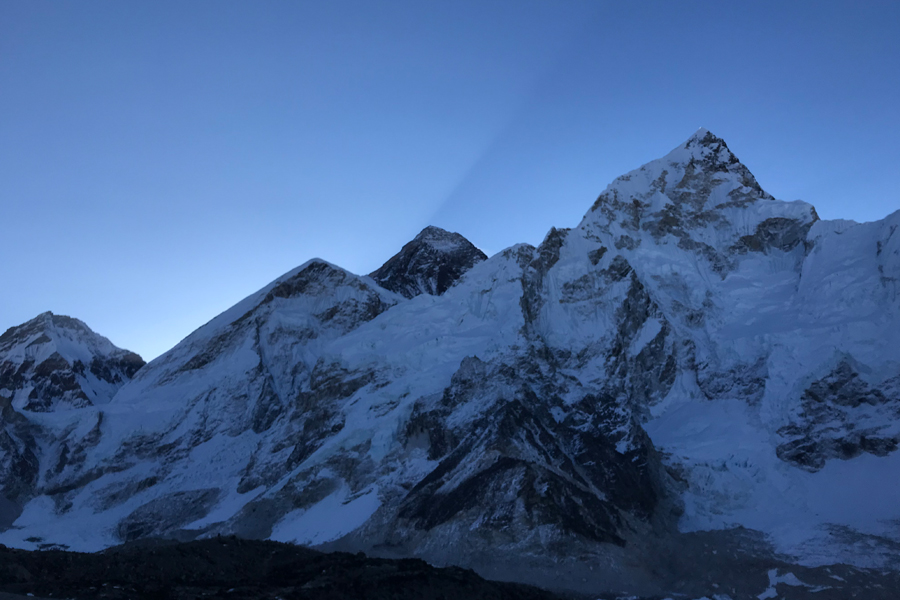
x=430, y=264
x=522, y=466
x=542, y=453
x=842, y=417
x=700, y=174
x=19, y=464
x=776, y=233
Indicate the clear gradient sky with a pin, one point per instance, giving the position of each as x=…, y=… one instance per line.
x=160, y=160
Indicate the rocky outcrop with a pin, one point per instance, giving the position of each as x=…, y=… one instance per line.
x=842, y=416
x=432, y=262
x=528, y=461
x=19, y=462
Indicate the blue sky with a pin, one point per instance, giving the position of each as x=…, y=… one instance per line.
x=161, y=160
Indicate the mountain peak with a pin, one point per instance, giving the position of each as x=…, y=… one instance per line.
x=706, y=150
x=429, y=264
x=50, y=324
x=432, y=231
x=702, y=198
x=703, y=136
x=56, y=360
x=442, y=239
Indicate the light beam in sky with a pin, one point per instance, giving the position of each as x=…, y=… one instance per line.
x=160, y=161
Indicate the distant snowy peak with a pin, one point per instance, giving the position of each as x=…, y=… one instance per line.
x=701, y=202
x=704, y=145
x=57, y=361
x=430, y=264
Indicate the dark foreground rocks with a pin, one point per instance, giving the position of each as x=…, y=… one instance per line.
x=239, y=569
x=701, y=566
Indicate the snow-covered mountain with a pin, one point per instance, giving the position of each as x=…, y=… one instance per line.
x=51, y=363
x=693, y=356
